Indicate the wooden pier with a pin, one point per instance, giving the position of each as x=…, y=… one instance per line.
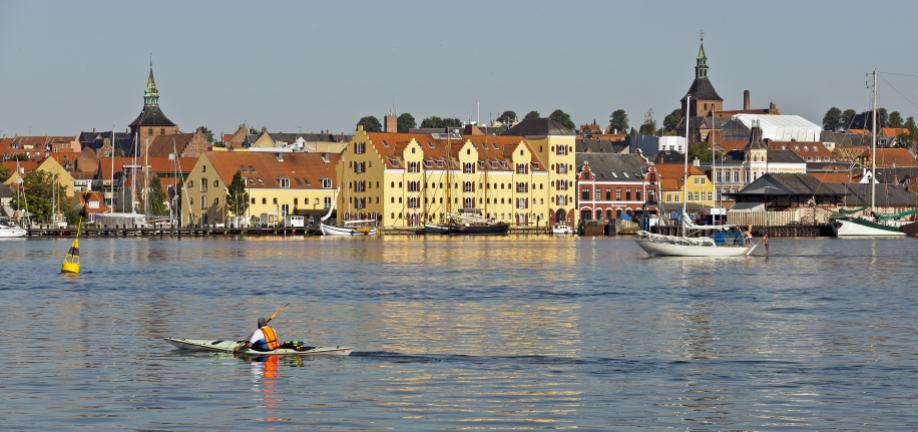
x=162, y=232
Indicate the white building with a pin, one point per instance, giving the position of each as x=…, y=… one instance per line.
x=672, y=143
x=775, y=127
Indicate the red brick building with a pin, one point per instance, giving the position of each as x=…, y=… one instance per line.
x=614, y=186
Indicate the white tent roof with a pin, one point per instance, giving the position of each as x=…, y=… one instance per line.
x=778, y=127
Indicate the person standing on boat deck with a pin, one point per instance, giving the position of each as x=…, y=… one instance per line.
x=264, y=338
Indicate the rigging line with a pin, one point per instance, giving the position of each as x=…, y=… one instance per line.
x=905, y=74
x=900, y=92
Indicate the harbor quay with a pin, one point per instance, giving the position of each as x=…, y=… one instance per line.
x=757, y=169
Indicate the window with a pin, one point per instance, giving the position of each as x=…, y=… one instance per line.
x=608, y=194
x=561, y=150
x=253, y=201
x=414, y=167
x=522, y=168
x=295, y=202
x=326, y=183
x=522, y=203
x=522, y=187
x=598, y=214
x=274, y=201
x=468, y=168
x=360, y=148
x=598, y=194
x=618, y=194
x=328, y=202
x=264, y=201
x=283, y=183
x=414, y=202
x=203, y=185
x=585, y=194
x=203, y=204
x=637, y=195
x=627, y=194
x=468, y=202
x=468, y=186
x=414, y=186
x=204, y=168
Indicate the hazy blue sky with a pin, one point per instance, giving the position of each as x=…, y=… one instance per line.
x=67, y=66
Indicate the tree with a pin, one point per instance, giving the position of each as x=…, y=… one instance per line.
x=563, y=118
x=847, y=118
x=671, y=121
x=507, y=118
x=451, y=122
x=832, y=121
x=701, y=151
x=912, y=127
x=882, y=118
x=4, y=173
x=432, y=122
x=405, y=122
x=237, y=199
x=532, y=115
x=253, y=131
x=370, y=124
x=37, y=197
x=649, y=127
x=618, y=121
x=207, y=133
x=895, y=120
x=157, y=198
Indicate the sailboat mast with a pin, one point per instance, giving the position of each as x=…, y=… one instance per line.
x=688, y=115
x=713, y=163
x=112, y=185
x=873, y=146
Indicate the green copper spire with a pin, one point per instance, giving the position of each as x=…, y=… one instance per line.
x=701, y=63
x=151, y=94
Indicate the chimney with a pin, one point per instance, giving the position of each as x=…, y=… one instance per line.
x=391, y=123
x=746, y=103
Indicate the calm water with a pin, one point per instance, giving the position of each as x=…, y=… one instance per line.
x=462, y=334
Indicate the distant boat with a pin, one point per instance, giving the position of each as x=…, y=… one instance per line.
x=846, y=224
x=562, y=228
x=12, y=231
x=350, y=228
x=469, y=221
x=685, y=246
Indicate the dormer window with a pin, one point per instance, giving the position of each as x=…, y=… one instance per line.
x=283, y=183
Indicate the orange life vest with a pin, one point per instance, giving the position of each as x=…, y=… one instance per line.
x=270, y=338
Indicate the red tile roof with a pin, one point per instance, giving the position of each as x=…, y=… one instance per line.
x=263, y=169
x=809, y=151
x=497, y=150
x=670, y=174
x=886, y=157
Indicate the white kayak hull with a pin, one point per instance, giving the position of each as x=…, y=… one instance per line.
x=228, y=347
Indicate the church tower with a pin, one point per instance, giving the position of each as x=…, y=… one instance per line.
x=704, y=98
x=151, y=122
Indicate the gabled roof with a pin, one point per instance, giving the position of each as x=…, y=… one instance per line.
x=497, y=151
x=670, y=175
x=702, y=89
x=812, y=151
x=858, y=195
x=597, y=145
x=264, y=170
x=613, y=167
x=784, y=156
x=886, y=157
x=787, y=185
x=151, y=115
x=539, y=127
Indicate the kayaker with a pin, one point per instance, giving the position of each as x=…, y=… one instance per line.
x=264, y=338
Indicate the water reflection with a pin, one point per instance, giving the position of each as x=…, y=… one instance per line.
x=463, y=333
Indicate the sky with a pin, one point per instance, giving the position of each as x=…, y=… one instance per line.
x=68, y=66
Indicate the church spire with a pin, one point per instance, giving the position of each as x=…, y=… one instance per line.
x=151, y=94
x=701, y=63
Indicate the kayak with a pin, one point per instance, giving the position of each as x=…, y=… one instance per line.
x=228, y=347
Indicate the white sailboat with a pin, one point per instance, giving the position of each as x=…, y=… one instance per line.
x=864, y=226
x=683, y=245
x=350, y=228
x=11, y=231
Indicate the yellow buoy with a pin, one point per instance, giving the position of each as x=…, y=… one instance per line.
x=71, y=262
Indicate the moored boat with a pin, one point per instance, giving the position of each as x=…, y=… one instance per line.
x=12, y=231
x=562, y=229
x=350, y=228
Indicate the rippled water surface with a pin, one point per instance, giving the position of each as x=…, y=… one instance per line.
x=461, y=334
